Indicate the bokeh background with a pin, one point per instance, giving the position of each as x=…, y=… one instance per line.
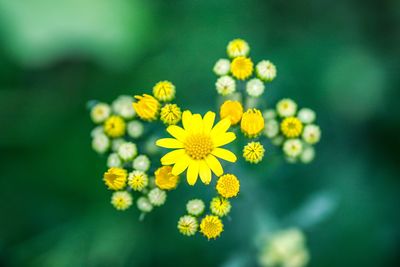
x=340, y=58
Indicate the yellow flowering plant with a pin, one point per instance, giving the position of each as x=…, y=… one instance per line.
x=192, y=148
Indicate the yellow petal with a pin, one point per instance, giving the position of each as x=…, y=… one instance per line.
x=177, y=132
x=223, y=139
x=172, y=157
x=224, y=154
x=205, y=172
x=208, y=121
x=181, y=165
x=192, y=172
x=186, y=117
x=221, y=127
x=214, y=165
x=169, y=143
x=196, y=124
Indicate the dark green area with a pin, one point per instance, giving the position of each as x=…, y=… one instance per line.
x=340, y=58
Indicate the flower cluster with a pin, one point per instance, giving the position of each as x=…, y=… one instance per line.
x=200, y=147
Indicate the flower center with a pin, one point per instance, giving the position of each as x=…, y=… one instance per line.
x=198, y=146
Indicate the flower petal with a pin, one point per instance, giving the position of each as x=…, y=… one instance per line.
x=221, y=127
x=196, y=124
x=186, y=118
x=208, y=121
x=214, y=165
x=181, y=165
x=205, y=172
x=177, y=132
x=169, y=143
x=192, y=172
x=172, y=157
x=224, y=154
x=223, y=139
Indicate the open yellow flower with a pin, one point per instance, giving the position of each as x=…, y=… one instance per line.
x=197, y=146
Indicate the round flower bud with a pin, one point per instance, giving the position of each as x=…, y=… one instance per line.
x=252, y=123
x=188, y=225
x=97, y=130
x=100, y=112
x=307, y=155
x=138, y=180
x=113, y=160
x=225, y=85
x=253, y=152
x=122, y=106
x=266, y=71
x=195, y=207
x=144, y=205
x=164, y=178
x=228, y=185
x=164, y=91
x=242, y=68
x=220, y=206
x=311, y=134
x=114, y=126
x=238, y=47
x=306, y=115
x=291, y=127
x=292, y=147
x=255, y=87
x=211, y=226
x=286, y=107
x=116, y=143
x=232, y=110
x=127, y=151
x=222, y=67
x=115, y=178
x=146, y=107
x=269, y=114
x=100, y=143
x=157, y=197
x=170, y=114
x=121, y=200
x=141, y=163
x=271, y=128
x=135, y=129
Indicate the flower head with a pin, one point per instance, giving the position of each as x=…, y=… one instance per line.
x=306, y=115
x=138, y=180
x=211, y=226
x=165, y=179
x=253, y=152
x=197, y=145
x=255, y=87
x=266, y=71
x=220, y=206
x=242, y=68
x=141, y=163
x=195, y=207
x=122, y=106
x=271, y=128
x=225, y=85
x=292, y=147
x=222, y=67
x=157, y=196
x=312, y=134
x=291, y=127
x=170, y=114
x=164, y=91
x=269, y=114
x=187, y=225
x=232, y=110
x=308, y=154
x=114, y=160
x=127, y=151
x=121, y=200
x=237, y=47
x=115, y=178
x=135, y=129
x=144, y=205
x=100, y=143
x=146, y=107
x=100, y=112
x=228, y=186
x=286, y=107
x=252, y=122
x=114, y=126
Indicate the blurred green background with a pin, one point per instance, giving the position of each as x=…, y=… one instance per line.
x=340, y=58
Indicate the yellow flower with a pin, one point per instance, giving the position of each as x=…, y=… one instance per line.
x=187, y=225
x=211, y=226
x=147, y=107
x=164, y=91
x=237, y=47
x=115, y=178
x=220, y=206
x=242, y=68
x=114, y=126
x=291, y=127
x=252, y=122
x=228, y=186
x=165, y=179
x=121, y=200
x=170, y=114
x=197, y=146
x=253, y=152
x=138, y=180
x=232, y=110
